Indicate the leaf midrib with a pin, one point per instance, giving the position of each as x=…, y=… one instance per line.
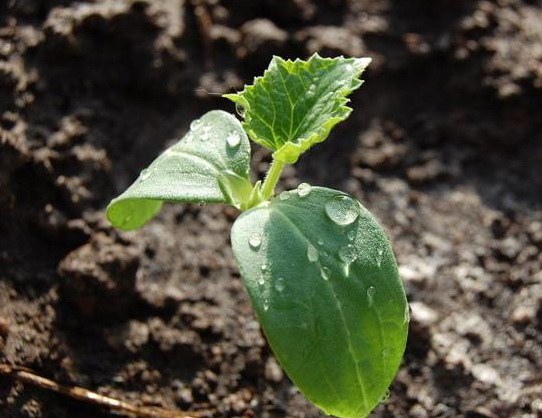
x=339, y=308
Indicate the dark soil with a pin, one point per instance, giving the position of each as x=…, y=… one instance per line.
x=444, y=145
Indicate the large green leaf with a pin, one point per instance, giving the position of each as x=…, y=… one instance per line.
x=210, y=164
x=323, y=280
x=297, y=103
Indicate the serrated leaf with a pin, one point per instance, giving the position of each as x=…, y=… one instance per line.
x=209, y=165
x=297, y=103
x=323, y=280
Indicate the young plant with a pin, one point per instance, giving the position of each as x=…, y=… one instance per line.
x=318, y=267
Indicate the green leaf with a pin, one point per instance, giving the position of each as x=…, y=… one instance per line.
x=323, y=280
x=297, y=103
x=209, y=165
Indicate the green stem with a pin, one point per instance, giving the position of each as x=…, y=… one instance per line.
x=273, y=175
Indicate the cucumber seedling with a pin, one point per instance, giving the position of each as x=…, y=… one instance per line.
x=318, y=267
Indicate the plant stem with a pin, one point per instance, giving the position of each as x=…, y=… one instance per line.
x=273, y=175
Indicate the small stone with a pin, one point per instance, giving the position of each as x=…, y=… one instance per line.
x=536, y=405
x=417, y=411
x=422, y=314
x=485, y=374
x=509, y=248
x=273, y=372
x=523, y=315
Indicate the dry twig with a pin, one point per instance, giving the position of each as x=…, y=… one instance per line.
x=25, y=375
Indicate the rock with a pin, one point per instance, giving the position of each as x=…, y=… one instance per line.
x=485, y=374
x=523, y=315
x=273, y=371
x=422, y=315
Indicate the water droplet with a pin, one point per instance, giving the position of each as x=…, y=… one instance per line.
x=384, y=397
x=348, y=253
x=240, y=109
x=201, y=203
x=304, y=189
x=206, y=132
x=370, y=295
x=312, y=253
x=325, y=273
x=144, y=175
x=261, y=281
x=233, y=139
x=264, y=267
x=284, y=195
x=265, y=304
x=195, y=124
x=311, y=90
x=255, y=240
x=379, y=257
x=352, y=234
x=342, y=210
x=320, y=242
x=279, y=284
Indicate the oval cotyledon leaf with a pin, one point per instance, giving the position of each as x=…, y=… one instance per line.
x=209, y=165
x=323, y=280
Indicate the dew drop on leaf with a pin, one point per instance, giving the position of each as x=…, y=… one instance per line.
x=265, y=304
x=348, y=253
x=195, y=124
x=379, y=257
x=304, y=189
x=320, y=242
x=255, y=240
x=284, y=195
x=311, y=90
x=370, y=295
x=384, y=397
x=233, y=140
x=144, y=175
x=264, y=267
x=312, y=253
x=279, y=285
x=261, y=281
x=342, y=210
x=407, y=314
x=325, y=273
x=206, y=133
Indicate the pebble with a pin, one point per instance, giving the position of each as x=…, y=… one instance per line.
x=523, y=315
x=422, y=314
x=485, y=374
x=273, y=372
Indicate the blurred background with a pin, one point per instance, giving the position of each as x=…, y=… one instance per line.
x=444, y=145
